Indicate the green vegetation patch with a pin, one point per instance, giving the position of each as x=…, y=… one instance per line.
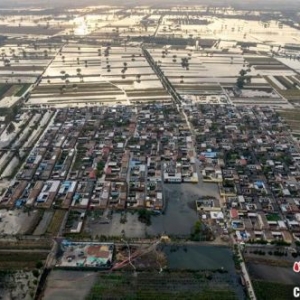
x=168, y=285
x=269, y=290
x=273, y=217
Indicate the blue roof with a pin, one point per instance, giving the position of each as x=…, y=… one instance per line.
x=20, y=202
x=209, y=154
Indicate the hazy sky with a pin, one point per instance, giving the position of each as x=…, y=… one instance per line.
x=270, y=4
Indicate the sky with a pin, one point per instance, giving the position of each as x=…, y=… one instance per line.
x=254, y=4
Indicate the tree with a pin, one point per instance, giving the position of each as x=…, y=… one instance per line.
x=10, y=128
x=35, y=273
x=243, y=72
x=39, y=264
x=144, y=216
x=240, y=82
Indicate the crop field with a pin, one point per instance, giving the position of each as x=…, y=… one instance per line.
x=292, y=117
x=257, y=60
x=167, y=285
x=19, y=261
x=287, y=86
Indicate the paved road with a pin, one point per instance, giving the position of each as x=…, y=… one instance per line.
x=245, y=273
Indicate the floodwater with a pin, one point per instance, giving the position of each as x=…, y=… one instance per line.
x=199, y=257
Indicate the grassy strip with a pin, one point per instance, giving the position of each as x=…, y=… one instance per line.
x=23, y=89
x=56, y=221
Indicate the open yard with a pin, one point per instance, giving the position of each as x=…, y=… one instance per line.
x=56, y=221
x=18, y=222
